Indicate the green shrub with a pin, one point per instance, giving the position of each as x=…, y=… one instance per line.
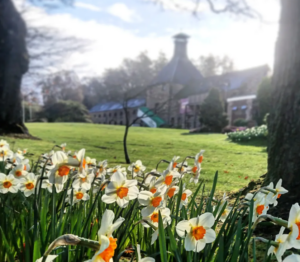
x=66, y=111
x=240, y=122
x=212, y=113
x=254, y=133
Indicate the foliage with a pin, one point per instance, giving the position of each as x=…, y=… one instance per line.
x=64, y=85
x=66, y=111
x=105, y=141
x=240, y=122
x=212, y=111
x=69, y=192
x=214, y=65
x=254, y=133
x=264, y=99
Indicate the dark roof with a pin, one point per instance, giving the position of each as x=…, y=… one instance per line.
x=229, y=81
x=179, y=70
x=117, y=105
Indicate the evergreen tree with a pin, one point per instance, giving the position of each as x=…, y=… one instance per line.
x=212, y=113
x=264, y=99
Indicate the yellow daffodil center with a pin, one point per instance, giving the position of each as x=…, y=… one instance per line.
x=122, y=192
x=25, y=167
x=279, y=195
x=154, y=217
x=183, y=197
x=7, y=184
x=63, y=171
x=136, y=169
x=156, y=201
x=168, y=180
x=83, y=179
x=153, y=190
x=108, y=253
x=83, y=163
x=101, y=169
x=198, y=232
x=200, y=158
x=18, y=173
x=29, y=185
x=171, y=192
x=79, y=195
x=259, y=209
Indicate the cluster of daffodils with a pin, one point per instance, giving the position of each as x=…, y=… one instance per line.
x=249, y=134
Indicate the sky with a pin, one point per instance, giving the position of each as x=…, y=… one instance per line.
x=118, y=29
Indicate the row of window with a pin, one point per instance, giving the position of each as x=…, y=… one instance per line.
x=115, y=114
x=242, y=108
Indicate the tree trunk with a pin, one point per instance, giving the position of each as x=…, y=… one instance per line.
x=127, y=159
x=13, y=64
x=284, y=118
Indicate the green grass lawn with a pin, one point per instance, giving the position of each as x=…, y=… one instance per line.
x=152, y=145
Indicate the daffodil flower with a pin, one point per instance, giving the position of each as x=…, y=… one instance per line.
x=107, y=242
x=101, y=168
x=172, y=190
x=260, y=207
x=28, y=184
x=90, y=161
x=61, y=169
x=8, y=184
x=137, y=168
x=153, y=217
x=151, y=201
x=281, y=240
x=140, y=259
x=120, y=190
x=5, y=153
x=111, y=171
x=83, y=180
x=49, y=258
x=14, y=161
x=184, y=197
x=173, y=163
x=167, y=178
x=197, y=232
x=279, y=191
x=3, y=143
x=78, y=195
x=195, y=172
x=292, y=258
x=19, y=171
x=199, y=157
x=294, y=226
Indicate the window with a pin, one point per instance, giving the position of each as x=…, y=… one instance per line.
x=121, y=122
x=104, y=115
x=121, y=113
x=115, y=114
x=234, y=108
x=109, y=114
x=99, y=116
x=179, y=119
x=243, y=107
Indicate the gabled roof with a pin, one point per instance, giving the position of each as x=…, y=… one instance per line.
x=229, y=81
x=117, y=105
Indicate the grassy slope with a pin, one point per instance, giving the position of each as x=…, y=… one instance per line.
x=151, y=145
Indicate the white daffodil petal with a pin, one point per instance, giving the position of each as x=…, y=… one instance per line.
x=207, y=220
x=183, y=227
x=210, y=236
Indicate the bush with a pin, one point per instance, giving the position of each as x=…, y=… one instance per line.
x=253, y=133
x=240, y=122
x=66, y=111
x=65, y=193
x=212, y=114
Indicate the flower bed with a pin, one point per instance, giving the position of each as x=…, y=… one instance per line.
x=68, y=199
x=253, y=133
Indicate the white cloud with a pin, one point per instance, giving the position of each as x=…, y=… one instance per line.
x=87, y=6
x=123, y=12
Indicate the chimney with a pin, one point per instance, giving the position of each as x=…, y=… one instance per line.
x=180, y=41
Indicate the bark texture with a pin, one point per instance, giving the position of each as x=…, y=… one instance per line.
x=13, y=64
x=284, y=119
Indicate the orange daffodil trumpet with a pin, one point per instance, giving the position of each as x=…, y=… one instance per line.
x=3, y=143
x=59, y=174
x=120, y=190
x=111, y=171
x=184, y=197
x=197, y=232
x=166, y=179
x=136, y=168
x=8, y=184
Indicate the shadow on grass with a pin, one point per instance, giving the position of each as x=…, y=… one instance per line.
x=187, y=134
x=256, y=142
